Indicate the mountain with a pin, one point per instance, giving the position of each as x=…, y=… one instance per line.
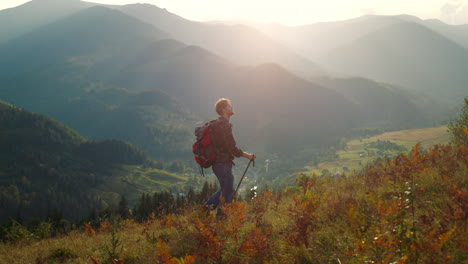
x=317, y=39
x=45, y=166
x=130, y=83
x=407, y=54
x=152, y=119
x=456, y=33
x=239, y=43
x=270, y=98
x=25, y=18
x=51, y=69
x=282, y=103
x=385, y=105
x=71, y=82
x=93, y=30
x=366, y=46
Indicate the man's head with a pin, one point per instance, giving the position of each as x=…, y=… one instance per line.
x=224, y=108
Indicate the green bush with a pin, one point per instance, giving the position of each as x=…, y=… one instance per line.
x=459, y=128
x=43, y=230
x=17, y=232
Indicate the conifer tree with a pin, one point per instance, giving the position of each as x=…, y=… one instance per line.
x=123, y=208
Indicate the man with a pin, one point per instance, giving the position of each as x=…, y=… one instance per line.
x=227, y=150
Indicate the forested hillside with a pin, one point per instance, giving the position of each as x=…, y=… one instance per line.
x=48, y=169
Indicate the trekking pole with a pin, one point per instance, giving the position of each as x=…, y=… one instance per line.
x=251, y=161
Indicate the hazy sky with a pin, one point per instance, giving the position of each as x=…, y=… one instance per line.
x=294, y=12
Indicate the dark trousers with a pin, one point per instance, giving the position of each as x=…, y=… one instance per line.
x=223, y=172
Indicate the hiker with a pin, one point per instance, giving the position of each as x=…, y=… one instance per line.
x=226, y=151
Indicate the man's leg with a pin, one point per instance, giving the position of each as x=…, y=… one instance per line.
x=223, y=172
x=226, y=181
x=213, y=201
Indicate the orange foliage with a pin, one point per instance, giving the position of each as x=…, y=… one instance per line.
x=210, y=246
x=105, y=227
x=235, y=218
x=257, y=244
x=95, y=260
x=163, y=256
x=89, y=229
x=168, y=221
x=306, y=182
x=302, y=214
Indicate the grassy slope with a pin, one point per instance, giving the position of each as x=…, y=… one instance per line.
x=367, y=218
x=406, y=138
x=426, y=136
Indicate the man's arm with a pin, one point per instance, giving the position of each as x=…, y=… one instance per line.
x=233, y=146
x=229, y=142
x=248, y=156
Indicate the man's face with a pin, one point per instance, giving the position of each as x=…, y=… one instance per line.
x=229, y=110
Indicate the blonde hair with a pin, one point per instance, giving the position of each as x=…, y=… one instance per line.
x=221, y=104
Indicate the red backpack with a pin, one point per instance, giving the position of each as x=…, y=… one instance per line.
x=204, y=150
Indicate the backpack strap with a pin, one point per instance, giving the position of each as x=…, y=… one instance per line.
x=201, y=171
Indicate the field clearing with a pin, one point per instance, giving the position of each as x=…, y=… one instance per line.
x=358, y=152
x=152, y=180
x=133, y=180
x=426, y=136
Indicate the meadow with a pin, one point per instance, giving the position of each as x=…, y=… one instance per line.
x=360, y=152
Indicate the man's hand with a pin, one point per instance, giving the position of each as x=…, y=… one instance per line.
x=249, y=156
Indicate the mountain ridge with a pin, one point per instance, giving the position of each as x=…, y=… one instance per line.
x=239, y=43
x=394, y=54
x=33, y=14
